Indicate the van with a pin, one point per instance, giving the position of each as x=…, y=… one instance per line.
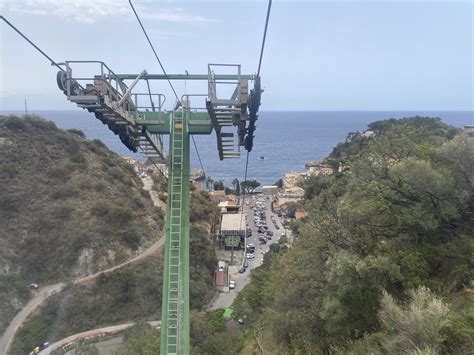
x=221, y=265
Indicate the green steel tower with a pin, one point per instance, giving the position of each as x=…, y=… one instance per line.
x=116, y=102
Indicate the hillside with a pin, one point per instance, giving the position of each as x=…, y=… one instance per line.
x=383, y=262
x=129, y=294
x=69, y=207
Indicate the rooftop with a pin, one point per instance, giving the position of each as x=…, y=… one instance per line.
x=232, y=222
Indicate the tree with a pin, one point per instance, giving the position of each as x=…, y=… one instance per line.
x=279, y=183
x=218, y=185
x=249, y=186
x=414, y=328
x=236, y=185
x=209, y=183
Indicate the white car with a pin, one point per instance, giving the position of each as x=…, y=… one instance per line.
x=231, y=284
x=250, y=255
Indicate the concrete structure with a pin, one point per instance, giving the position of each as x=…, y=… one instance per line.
x=294, y=192
x=233, y=224
x=292, y=179
x=229, y=207
x=318, y=168
x=232, y=233
x=269, y=190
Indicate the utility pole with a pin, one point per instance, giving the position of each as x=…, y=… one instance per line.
x=26, y=108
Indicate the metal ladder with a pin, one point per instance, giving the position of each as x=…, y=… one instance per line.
x=175, y=282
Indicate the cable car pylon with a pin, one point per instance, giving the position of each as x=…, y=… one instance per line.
x=140, y=126
x=115, y=103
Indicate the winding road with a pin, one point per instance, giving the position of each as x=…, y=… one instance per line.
x=114, y=329
x=46, y=291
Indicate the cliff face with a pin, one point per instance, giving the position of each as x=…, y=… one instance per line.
x=69, y=207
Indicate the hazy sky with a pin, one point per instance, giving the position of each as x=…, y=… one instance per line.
x=320, y=55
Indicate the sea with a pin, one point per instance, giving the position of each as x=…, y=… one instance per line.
x=284, y=140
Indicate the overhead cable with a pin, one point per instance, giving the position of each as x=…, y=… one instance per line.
x=153, y=49
x=31, y=42
x=264, y=36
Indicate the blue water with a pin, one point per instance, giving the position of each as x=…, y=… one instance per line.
x=287, y=140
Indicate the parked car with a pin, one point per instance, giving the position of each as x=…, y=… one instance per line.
x=269, y=233
x=250, y=255
x=241, y=270
x=231, y=284
x=34, y=286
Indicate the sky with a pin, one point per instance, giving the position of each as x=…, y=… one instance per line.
x=319, y=55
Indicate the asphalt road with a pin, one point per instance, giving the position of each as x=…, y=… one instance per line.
x=225, y=300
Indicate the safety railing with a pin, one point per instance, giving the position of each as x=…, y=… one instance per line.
x=106, y=74
x=213, y=82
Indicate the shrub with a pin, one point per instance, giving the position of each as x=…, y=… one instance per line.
x=131, y=238
x=64, y=192
x=72, y=146
x=115, y=173
x=100, y=208
x=416, y=326
x=60, y=172
x=15, y=123
x=77, y=132
x=119, y=215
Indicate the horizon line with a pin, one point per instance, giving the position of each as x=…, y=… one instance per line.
x=285, y=110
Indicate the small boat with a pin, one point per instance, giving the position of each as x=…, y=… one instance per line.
x=261, y=158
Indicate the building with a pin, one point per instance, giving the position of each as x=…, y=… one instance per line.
x=295, y=192
x=229, y=207
x=300, y=214
x=367, y=134
x=292, y=179
x=269, y=190
x=318, y=168
x=218, y=196
x=232, y=233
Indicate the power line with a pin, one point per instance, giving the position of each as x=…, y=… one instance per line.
x=156, y=166
x=31, y=42
x=164, y=71
x=264, y=36
x=153, y=49
x=199, y=157
x=248, y=152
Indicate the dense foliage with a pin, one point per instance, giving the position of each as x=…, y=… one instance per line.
x=386, y=248
x=69, y=207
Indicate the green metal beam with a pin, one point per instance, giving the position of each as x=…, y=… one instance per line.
x=198, y=122
x=175, y=337
x=186, y=77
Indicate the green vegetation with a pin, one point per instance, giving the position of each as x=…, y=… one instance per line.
x=141, y=339
x=132, y=293
x=129, y=294
x=68, y=207
x=383, y=262
x=218, y=185
x=210, y=335
x=249, y=186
